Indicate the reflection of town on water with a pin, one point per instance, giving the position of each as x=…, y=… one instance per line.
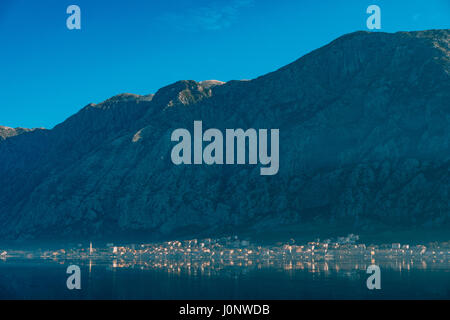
x=221, y=267
x=210, y=257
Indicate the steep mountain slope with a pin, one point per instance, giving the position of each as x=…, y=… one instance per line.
x=364, y=140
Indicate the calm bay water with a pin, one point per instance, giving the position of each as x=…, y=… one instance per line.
x=44, y=279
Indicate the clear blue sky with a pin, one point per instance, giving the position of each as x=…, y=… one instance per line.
x=48, y=72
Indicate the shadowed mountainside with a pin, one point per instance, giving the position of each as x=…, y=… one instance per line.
x=364, y=142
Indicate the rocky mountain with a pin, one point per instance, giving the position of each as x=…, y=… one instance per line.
x=364, y=141
x=6, y=132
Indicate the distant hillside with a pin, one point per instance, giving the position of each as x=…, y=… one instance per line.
x=364, y=143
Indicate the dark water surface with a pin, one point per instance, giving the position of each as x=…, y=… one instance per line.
x=43, y=279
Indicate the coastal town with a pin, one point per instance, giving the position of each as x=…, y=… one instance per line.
x=231, y=251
